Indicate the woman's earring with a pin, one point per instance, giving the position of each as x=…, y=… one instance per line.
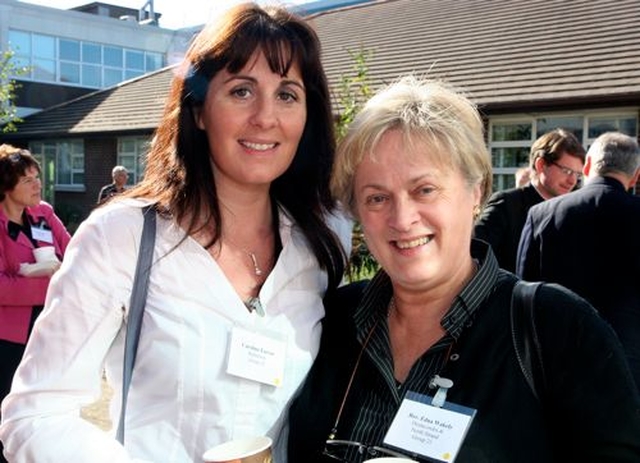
x=476, y=212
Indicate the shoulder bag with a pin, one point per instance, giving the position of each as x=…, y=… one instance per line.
x=525, y=336
x=136, y=307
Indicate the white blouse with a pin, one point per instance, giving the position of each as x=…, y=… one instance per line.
x=181, y=400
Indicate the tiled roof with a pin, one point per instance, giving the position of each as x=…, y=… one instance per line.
x=504, y=53
x=131, y=106
x=501, y=51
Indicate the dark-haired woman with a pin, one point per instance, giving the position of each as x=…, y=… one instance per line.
x=246, y=247
x=26, y=223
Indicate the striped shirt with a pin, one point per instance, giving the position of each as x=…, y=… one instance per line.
x=382, y=398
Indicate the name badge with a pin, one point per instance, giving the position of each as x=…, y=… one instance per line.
x=436, y=432
x=256, y=356
x=42, y=234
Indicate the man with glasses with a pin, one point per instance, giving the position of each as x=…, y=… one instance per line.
x=588, y=240
x=555, y=160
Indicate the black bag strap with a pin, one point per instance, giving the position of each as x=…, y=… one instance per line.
x=525, y=336
x=136, y=307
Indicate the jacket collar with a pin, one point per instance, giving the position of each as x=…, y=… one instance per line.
x=606, y=181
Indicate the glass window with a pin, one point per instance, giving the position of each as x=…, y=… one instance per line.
x=44, y=69
x=91, y=75
x=44, y=46
x=153, y=61
x=129, y=74
x=112, y=77
x=91, y=53
x=134, y=60
x=57, y=59
x=600, y=125
x=70, y=72
x=68, y=168
x=510, y=157
x=69, y=50
x=113, y=56
x=131, y=154
x=510, y=144
x=573, y=124
x=511, y=140
x=20, y=42
x=511, y=132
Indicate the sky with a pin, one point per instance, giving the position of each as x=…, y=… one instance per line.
x=175, y=13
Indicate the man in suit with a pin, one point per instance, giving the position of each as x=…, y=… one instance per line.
x=589, y=240
x=555, y=160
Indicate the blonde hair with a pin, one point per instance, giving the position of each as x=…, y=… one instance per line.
x=426, y=112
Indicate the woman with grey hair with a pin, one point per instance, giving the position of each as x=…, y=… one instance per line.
x=420, y=362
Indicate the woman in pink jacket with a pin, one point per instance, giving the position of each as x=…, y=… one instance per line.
x=26, y=223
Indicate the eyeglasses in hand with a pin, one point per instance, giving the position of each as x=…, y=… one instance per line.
x=351, y=452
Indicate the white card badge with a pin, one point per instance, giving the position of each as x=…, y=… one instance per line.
x=42, y=234
x=256, y=357
x=432, y=431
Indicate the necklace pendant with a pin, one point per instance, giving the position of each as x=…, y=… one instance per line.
x=256, y=268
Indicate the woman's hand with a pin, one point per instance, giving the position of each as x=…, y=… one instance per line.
x=39, y=269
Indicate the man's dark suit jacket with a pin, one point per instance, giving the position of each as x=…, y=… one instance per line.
x=502, y=220
x=589, y=241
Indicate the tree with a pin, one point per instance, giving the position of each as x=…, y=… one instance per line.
x=8, y=88
x=353, y=92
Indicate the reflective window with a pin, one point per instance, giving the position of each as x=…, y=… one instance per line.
x=67, y=161
x=131, y=74
x=91, y=53
x=44, y=46
x=600, y=125
x=69, y=50
x=573, y=124
x=134, y=59
x=43, y=69
x=113, y=56
x=20, y=42
x=153, y=61
x=89, y=64
x=511, y=140
x=91, y=76
x=112, y=77
x=510, y=132
x=131, y=154
x=70, y=72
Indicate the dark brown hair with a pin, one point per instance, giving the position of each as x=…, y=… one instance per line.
x=551, y=145
x=179, y=175
x=14, y=163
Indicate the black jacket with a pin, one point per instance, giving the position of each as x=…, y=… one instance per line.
x=502, y=220
x=589, y=241
x=590, y=411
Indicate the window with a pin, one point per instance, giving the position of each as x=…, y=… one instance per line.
x=91, y=76
x=113, y=56
x=510, y=142
x=510, y=139
x=69, y=61
x=67, y=158
x=131, y=154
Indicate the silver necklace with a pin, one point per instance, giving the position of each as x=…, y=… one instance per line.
x=256, y=268
x=252, y=255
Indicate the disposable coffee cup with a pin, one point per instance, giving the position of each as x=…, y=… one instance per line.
x=247, y=450
x=45, y=254
x=390, y=460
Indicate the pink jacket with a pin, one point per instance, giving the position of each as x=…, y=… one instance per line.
x=19, y=294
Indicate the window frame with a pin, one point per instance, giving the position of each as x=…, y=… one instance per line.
x=533, y=119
